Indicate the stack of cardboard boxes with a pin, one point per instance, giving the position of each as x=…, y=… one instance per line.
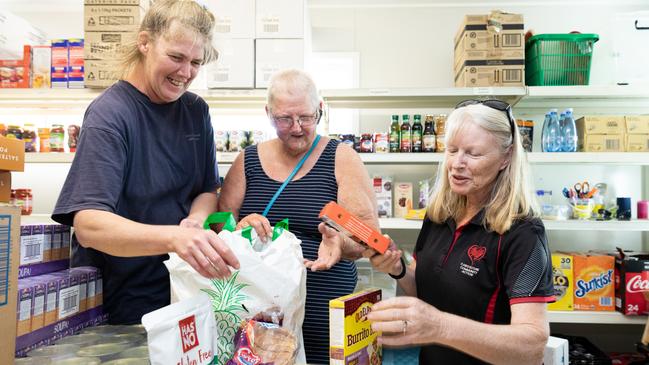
x=490, y=51
x=12, y=158
x=613, y=133
x=252, y=49
x=109, y=27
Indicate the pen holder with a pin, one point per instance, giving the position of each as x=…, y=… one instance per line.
x=582, y=208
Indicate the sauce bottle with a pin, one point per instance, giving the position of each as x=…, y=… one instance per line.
x=395, y=134
x=44, y=138
x=29, y=136
x=73, y=136
x=428, y=139
x=417, y=131
x=57, y=134
x=406, y=137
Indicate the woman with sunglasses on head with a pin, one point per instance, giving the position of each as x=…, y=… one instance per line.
x=324, y=170
x=482, y=275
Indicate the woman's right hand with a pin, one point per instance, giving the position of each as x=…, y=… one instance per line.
x=259, y=223
x=389, y=262
x=204, y=251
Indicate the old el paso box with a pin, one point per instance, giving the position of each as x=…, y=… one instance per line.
x=632, y=284
x=343, y=221
x=351, y=339
x=12, y=154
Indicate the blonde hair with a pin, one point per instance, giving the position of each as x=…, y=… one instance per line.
x=293, y=82
x=511, y=196
x=158, y=20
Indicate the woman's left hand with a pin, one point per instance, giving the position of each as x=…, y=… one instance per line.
x=330, y=250
x=406, y=321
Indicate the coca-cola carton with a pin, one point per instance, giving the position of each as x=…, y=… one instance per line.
x=632, y=283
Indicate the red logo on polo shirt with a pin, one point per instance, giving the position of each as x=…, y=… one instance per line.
x=476, y=253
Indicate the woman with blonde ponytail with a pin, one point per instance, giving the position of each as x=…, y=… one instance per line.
x=482, y=275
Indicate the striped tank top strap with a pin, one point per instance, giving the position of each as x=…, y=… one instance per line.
x=251, y=161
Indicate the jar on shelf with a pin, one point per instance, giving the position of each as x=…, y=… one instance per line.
x=44, y=138
x=29, y=136
x=22, y=198
x=14, y=132
x=57, y=135
x=3, y=130
x=73, y=136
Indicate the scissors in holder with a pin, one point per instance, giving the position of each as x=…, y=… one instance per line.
x=582, y=189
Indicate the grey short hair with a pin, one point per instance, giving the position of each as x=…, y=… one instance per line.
x=293, y=82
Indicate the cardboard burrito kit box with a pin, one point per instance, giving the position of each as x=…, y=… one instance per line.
x=12, y=158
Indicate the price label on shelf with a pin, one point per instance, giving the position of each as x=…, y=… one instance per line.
x=483, y=91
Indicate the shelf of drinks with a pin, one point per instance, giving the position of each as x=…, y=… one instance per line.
x=416, y=97
x=594, y=317
x=551, y=225
x=618, y=158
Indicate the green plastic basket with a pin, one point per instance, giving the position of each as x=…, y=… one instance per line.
x=558, y=59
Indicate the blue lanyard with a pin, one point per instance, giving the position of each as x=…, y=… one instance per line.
x=290, y=177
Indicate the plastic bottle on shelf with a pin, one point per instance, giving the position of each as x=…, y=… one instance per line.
x=552, y=133
x=569, y=133
x=44, y=138
x=544, y=133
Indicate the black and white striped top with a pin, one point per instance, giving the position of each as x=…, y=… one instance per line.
x=301, y=202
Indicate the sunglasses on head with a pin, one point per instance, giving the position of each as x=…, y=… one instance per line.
x=493, y=104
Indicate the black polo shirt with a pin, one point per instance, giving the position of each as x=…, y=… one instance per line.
x=476, y=273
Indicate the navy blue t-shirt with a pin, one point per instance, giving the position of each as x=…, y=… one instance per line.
x=145, y=162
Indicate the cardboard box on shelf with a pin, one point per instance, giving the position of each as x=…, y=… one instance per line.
x=486, y=55
x=637, y=143
x=402, y=199
x=12, y=154
x=235, y=67
x=487, y=73
x=15, y=73
x=41, y=67
x=5, y=186
x=233, y=20
x=101, y=73
x=107, y=45
x=60, y=63
x=600, y=124
x=600, y=143
x=632, y=283
x=594, y=286
x=563, y=278
x=112, y=18
x=383, y=191
x=9, y=261
x=637, y=124
x=497, y=30
x=279, y=18
x=272, y=55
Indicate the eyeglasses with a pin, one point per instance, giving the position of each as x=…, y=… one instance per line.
x=494, y=104
x=302, y=120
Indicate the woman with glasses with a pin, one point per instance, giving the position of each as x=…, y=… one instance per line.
x=482, y=275
x=331, y=171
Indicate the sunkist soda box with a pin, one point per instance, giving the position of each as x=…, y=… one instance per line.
x=563, y=279
x=594, y=286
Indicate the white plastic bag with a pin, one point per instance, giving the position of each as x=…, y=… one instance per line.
x=182, y=333
x=273, y=277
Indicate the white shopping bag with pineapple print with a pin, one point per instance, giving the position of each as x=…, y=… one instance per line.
x=271, y=275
